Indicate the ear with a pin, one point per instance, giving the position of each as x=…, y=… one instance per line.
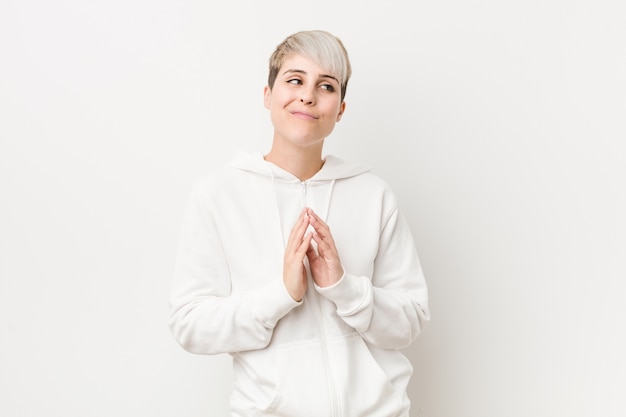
x=342, y=108
x=267, y=96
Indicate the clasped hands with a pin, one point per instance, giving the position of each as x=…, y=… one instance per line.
x=324, y=260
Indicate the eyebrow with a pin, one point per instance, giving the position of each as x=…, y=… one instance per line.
x=298, y=71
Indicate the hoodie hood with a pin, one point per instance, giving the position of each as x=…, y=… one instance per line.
x=333, y=169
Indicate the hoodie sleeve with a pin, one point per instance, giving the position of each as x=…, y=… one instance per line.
x=390, y=308
x=205, y=316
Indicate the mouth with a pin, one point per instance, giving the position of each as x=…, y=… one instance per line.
x=303, y=115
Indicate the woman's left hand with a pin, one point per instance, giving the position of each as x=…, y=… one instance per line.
x=324, y=262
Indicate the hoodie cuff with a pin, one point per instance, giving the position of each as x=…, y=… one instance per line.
x=350, y=294
x=271, y=303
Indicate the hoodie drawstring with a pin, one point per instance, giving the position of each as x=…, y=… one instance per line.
x=329, y=197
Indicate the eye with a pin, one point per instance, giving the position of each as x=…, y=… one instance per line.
x=294, y=81
x=328, y=87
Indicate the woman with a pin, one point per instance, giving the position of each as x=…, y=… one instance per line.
x=300, y=266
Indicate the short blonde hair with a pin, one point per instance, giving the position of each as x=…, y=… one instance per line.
x=322, y=47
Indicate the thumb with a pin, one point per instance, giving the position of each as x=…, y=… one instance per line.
x=311, y=253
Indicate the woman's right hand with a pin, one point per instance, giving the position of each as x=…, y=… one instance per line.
x=294, y=272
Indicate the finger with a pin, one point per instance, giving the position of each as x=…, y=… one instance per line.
x=311, y=253
x=319, y=225
x=305, y=246
x=325, y=246
x=298, y=230
x=324, y=237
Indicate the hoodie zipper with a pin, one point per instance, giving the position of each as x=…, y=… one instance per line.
x=332, y=392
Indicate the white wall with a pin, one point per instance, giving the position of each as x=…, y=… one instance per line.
x=500, y=125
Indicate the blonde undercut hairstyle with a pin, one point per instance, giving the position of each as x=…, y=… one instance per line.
x=322, y=47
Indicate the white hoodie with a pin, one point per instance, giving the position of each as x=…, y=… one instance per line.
x=333, y=354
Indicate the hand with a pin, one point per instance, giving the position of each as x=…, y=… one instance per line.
x=324, y=262
x=294, y=272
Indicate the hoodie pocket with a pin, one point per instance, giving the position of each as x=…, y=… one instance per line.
x=314, y=380
x=302, y=387
x=363, y=386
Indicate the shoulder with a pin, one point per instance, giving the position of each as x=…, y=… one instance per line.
x=216, y=183
x=368, y=191
x=231, y=172
x=371, y=183
x=373, y=180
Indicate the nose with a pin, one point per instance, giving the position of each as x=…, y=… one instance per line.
x=307, y=97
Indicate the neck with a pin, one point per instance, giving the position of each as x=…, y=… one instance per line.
x=303, y=163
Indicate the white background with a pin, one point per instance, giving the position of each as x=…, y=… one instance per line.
x=500, y=125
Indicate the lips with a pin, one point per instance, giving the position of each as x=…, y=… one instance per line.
x=303, y=115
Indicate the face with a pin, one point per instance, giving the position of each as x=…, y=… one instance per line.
x=305, y=103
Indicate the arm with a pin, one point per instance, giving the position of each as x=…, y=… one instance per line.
x=205, y=316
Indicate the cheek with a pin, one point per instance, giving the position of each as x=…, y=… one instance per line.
x=279, y=99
